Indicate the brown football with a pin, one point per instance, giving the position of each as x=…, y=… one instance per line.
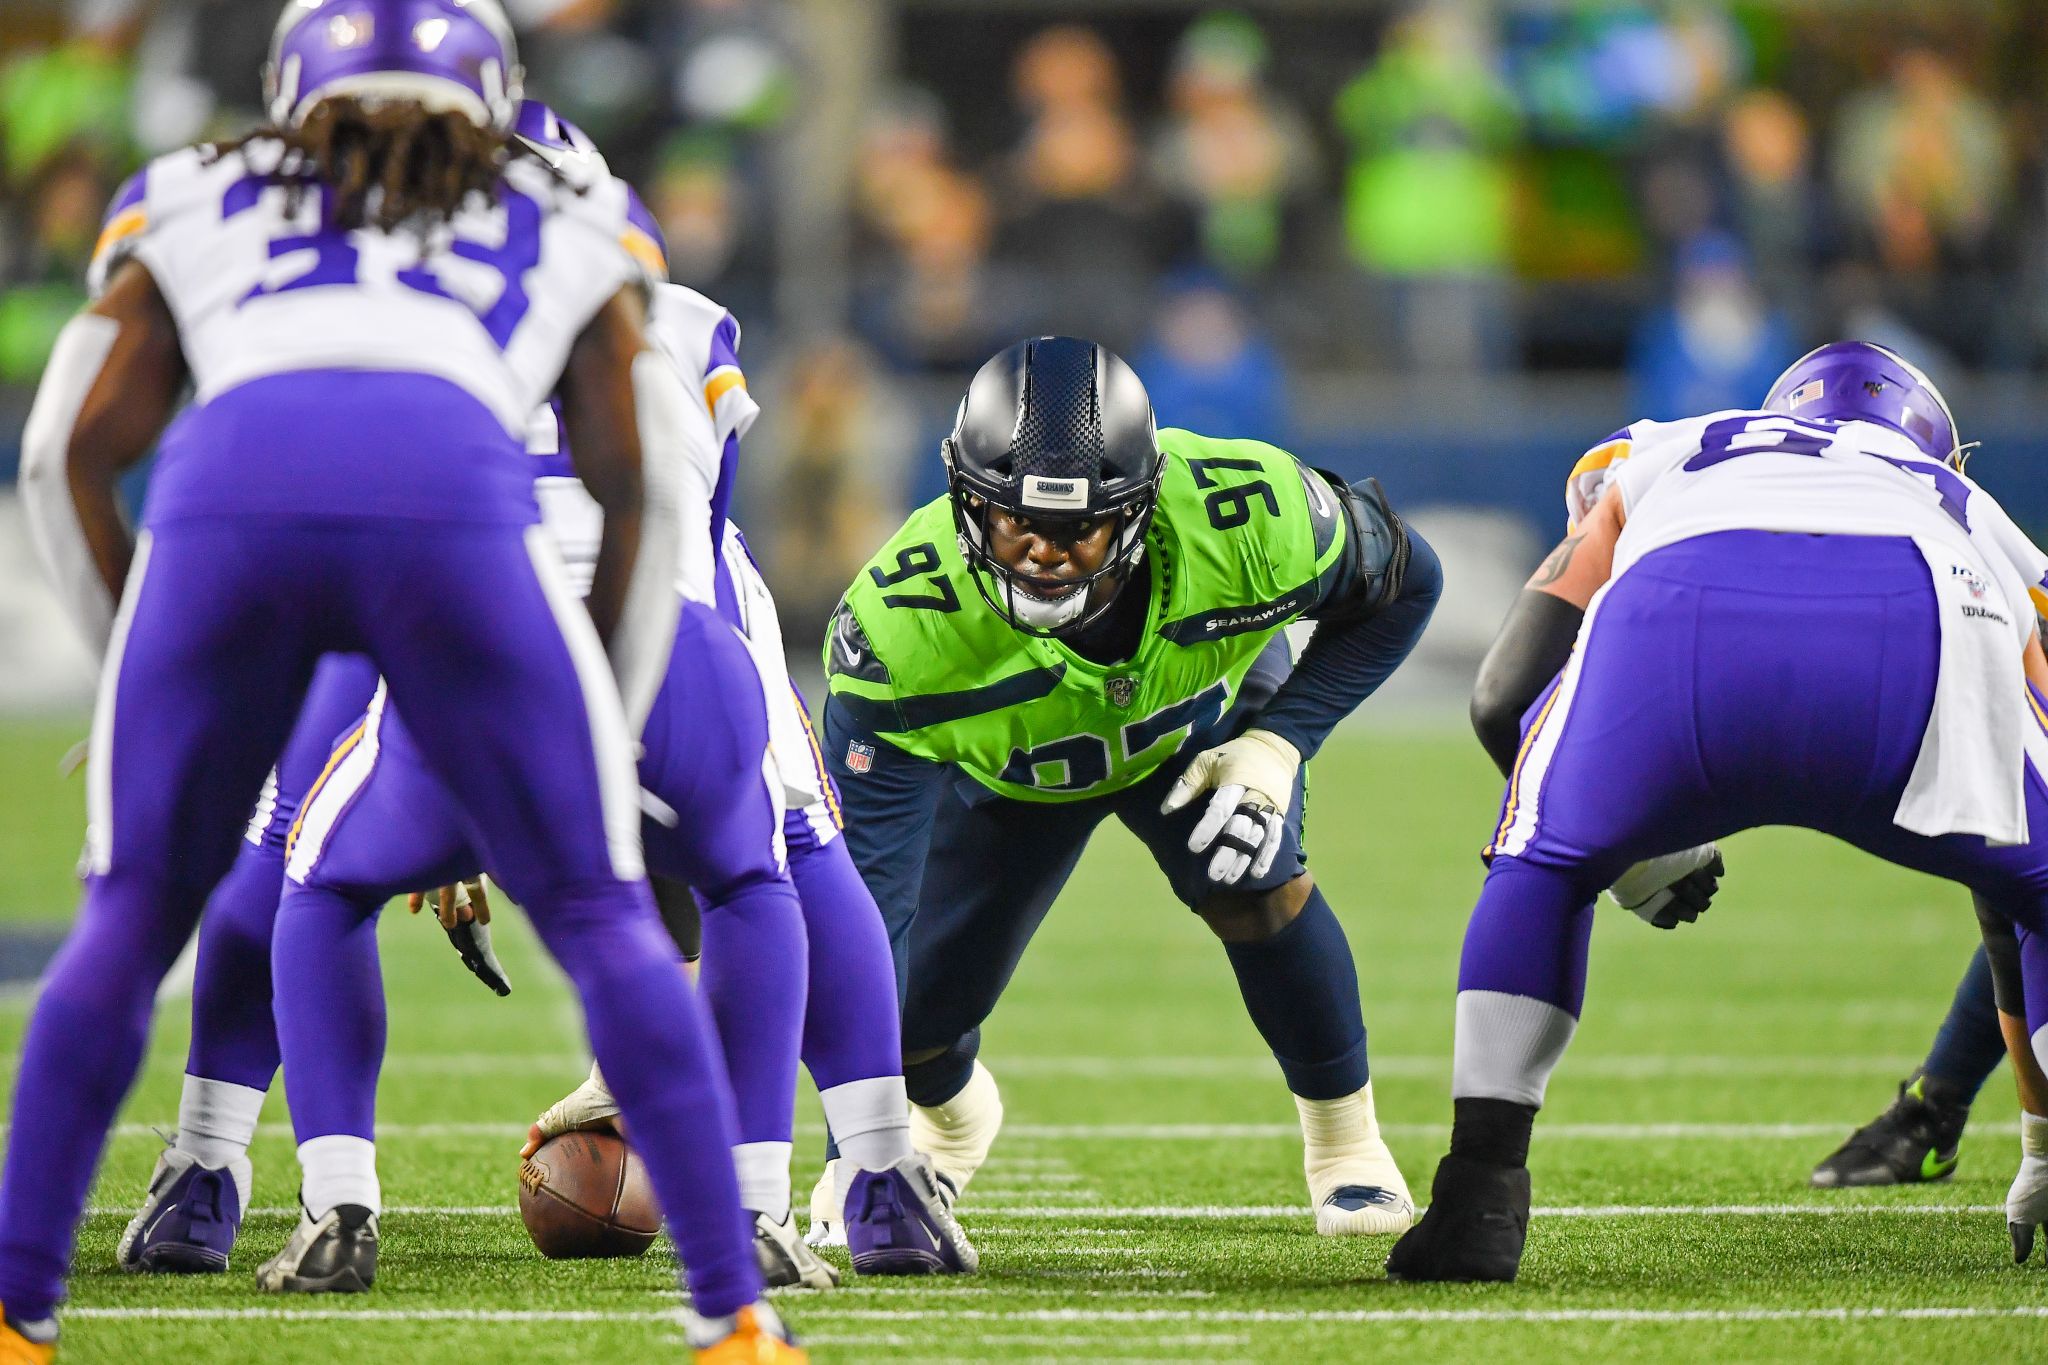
x=587, y=1195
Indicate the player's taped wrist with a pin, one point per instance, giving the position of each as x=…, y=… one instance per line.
x=1252, y=777
x=2034, y=1136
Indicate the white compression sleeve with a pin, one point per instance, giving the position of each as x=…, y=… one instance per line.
x=75, y=364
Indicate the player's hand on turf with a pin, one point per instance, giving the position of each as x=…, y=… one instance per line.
x=1252, y=778
x=2026, y=1203
x=589, y=1106
x=1673, y=889
x=464, y=911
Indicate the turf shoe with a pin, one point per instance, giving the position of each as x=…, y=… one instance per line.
x=752, y=1336
x=1477, y=1220
x=957, y=1135
x=188, y=1219
x=25, y=1342
x=1918, y=1138
x=786, y=1263
x=335, y=1253
x=900, y=1221
x=828, y=1210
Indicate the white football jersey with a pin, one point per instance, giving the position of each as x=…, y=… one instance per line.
x=258, y=286
x=702, y=340
x=1769, y=471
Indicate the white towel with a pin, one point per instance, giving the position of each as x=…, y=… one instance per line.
x=1970, y=776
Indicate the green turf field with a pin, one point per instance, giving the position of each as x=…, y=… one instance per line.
x=1146, y=1201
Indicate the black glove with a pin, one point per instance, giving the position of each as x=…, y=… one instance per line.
x=473, y=942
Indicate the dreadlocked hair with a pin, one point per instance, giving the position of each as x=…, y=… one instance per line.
x=385, y=165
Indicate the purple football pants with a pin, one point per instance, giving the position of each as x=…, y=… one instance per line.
x=233, y=1036
x=1730, y=681
x=389, y=824
x=224, y=617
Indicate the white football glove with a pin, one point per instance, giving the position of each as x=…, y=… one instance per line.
x=2026, y=1203
x=1672, y=889
x=1252, y=777
x=589, y=1105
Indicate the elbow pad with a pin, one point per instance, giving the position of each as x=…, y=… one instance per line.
x=75, y=363
x=1377, y=553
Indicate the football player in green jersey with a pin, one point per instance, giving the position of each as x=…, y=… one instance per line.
x=1089, y=624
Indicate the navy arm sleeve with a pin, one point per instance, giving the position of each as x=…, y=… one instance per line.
x=1349, y=657
x=889, y=810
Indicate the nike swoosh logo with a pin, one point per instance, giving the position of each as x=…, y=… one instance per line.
x=1933, y=1167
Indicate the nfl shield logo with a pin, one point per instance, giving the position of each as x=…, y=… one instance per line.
x=1121, y=690
x=859, y=757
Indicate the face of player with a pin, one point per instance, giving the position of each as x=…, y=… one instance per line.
x=1051, y=557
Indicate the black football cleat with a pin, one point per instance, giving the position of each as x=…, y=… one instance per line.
x=1919, y=1138
x=1474, y=1228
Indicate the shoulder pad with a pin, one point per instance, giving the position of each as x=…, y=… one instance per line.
x=1588, y=479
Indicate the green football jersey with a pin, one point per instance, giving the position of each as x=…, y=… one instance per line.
x=1240, y=543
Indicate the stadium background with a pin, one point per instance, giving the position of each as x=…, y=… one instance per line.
x=1451, y=245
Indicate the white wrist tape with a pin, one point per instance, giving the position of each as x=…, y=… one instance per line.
x=75, y=364
x=2034, y=1136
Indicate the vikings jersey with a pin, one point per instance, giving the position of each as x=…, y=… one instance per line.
x=260, y=285
x=1243, y=542
x=702, y=339
x=1769, y=471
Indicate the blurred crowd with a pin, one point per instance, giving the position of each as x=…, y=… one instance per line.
x=1683, y=191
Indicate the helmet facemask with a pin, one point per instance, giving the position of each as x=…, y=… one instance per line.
x=1010, y=595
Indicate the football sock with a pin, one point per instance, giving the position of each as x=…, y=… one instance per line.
x=753, y=979
x=1493, y=1131
x=216, y=1120
x=1968, y=1047
x=936, y=1080
x=338, y=1169
x=234, y=1037
x=763, y=1169
x=1301, y=989
x=851, y=1020
x=1506, y=1046
x=871, y=1121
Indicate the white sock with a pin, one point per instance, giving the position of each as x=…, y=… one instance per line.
x=339, y=1170
x=870, y=1120
x=216, y=1120
x=764, y=1177
x=1506, y=1046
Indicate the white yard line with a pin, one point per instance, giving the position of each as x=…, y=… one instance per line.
x=822, y=1308
x=972, y=1210
x=1196, y=1132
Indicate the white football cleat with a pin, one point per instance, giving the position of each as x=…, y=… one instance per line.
x=828, y=1210
x=786, y=1262
x=958, y=1134
x=1354, y=1186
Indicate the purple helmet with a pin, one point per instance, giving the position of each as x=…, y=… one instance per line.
x=1860, y=381
x=562, y=144
x=452, y=55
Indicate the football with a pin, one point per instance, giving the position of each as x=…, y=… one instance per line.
x=586, y=1195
